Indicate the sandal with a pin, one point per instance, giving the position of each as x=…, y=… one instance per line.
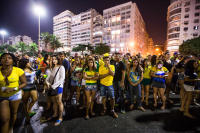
x=103, y=112
x=58, y=122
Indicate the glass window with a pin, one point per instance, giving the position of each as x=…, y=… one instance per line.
x=185, y=29
x=186, y=16
x=197, y=1
x=173, y=36
x=175, y=11
x=197, y=7
x=196, y=14
x=186, y=22
x=187, y=9
x=187, y=3
x=196, y=27
x=196, y=21
x=195, y=34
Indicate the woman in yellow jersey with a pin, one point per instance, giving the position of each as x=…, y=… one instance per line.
x=90, y=74
x=12, y=80
x=158, y=74
x=146, y=81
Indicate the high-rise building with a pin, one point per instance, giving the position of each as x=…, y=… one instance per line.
x=124, y=29
x=83, y=25
x=97, y=30
x=16, y=39
x=183, y=19
x=62, y=29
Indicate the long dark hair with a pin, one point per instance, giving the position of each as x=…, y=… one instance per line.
x=189, y=67
x=59, y=61
x=138, y=70
x=45, y=59
x=12, y=56
x=153, y=60
x=23, y=63
x=143, y=63
x=94, y=67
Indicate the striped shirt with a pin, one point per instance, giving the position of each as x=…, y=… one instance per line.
x=30, y=78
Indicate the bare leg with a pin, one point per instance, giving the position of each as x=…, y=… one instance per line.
x=147, y=94
x=13, y=110
x=155, y=94
x=142, y=92
x=4, y=116
x=162, y=93
x=34, y=98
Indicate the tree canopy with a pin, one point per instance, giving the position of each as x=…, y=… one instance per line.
x=191, y=46
x=102, y=49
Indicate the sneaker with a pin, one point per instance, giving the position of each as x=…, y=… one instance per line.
x=123, y=111
x=114, y=114
x=87, y=117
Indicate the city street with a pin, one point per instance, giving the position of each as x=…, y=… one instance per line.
x=157, y=121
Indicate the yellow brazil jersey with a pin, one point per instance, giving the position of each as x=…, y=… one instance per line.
x=13, y=80
x=107, y=81
x=39, y=60
x=90, y=74
x=146, y=73
x=101, y=62
x=198, y=70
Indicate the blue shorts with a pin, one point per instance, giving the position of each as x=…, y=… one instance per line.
x=15, y=97
x=107, y=90
x=74, y=83
x=60, y=90
x=91, y=87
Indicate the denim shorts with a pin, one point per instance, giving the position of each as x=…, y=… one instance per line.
x=91, y=87
x=74, y=83
x=107, y=90
x=15, y=97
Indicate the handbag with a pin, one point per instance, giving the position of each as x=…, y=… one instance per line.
x=53, y=92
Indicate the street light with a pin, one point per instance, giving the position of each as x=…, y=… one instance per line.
x=3, y=33
x=39, y=11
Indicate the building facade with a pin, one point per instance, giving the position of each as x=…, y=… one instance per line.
x=183, y=19
x=124, y=29
x=86, y=27
x=62, y=29
x=16, y=39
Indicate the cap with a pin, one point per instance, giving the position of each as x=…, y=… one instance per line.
x=106, y=55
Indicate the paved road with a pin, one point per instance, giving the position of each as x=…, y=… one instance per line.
x=157, y=121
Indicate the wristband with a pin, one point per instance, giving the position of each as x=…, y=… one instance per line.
x=15, y=89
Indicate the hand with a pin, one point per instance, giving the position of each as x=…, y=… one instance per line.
x=122, y=84
x=8, y=90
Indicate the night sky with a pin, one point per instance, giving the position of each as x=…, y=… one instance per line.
x=17, y=18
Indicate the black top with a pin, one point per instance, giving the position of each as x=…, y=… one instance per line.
x=168, y=65
x=190, y=76
x=119, y=67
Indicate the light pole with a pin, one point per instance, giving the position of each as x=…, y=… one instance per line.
x=39, y=11
x=3, y=33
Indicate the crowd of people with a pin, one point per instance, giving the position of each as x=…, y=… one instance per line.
x=113, y=81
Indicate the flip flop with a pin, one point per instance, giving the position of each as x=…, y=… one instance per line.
x=58, y=122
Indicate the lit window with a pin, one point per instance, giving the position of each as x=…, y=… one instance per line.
x=196, y=27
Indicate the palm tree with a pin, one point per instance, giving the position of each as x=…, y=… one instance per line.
x=33, y=48
x=22, y=47
x=51, y=40
x=46, y=38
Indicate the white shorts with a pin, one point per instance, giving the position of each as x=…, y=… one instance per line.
x=83, y=82
x=188, y=87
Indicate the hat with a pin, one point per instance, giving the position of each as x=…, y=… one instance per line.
x=106, y=55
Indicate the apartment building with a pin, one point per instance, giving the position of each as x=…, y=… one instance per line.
x=124, y=29
x=62, y=29
x=183, y=19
